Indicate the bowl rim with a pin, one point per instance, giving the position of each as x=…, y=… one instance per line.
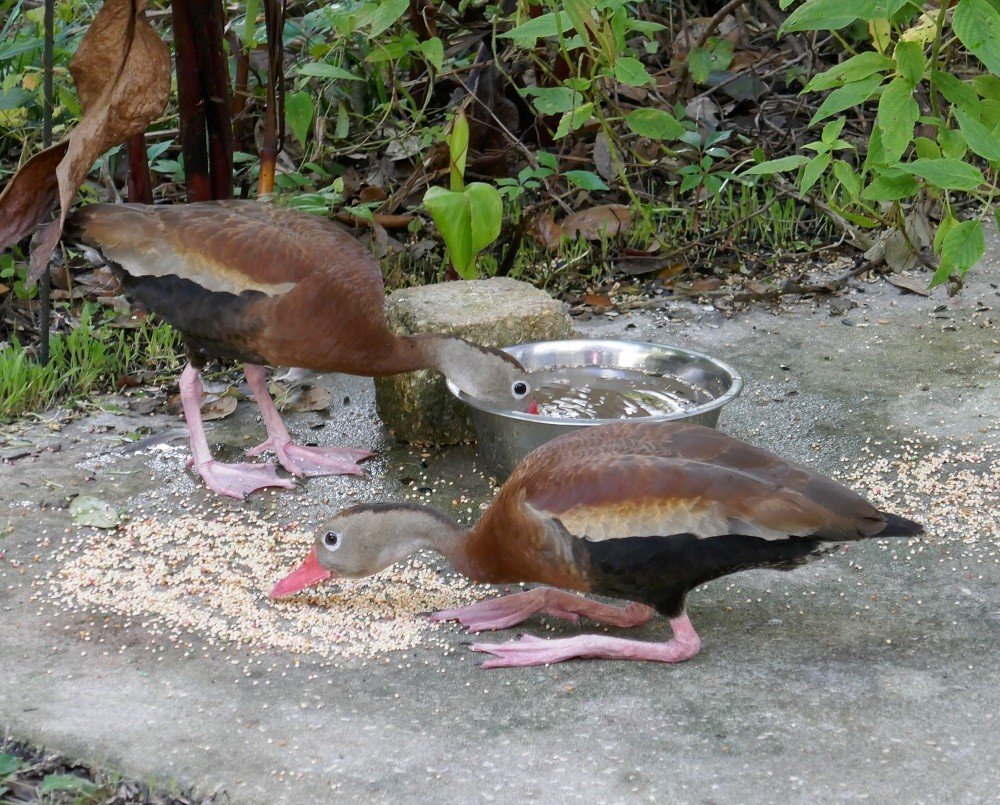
x=734, y=390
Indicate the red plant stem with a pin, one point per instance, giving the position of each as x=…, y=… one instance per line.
x=193, y=126
x=214, y=71
x=274, y=15
x=140, y=184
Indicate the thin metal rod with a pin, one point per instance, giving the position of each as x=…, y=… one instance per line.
x=45, y=317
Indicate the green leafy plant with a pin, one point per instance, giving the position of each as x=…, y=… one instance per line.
x=468, y=216
x=936, y=136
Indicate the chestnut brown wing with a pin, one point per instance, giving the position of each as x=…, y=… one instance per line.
x=223, y=246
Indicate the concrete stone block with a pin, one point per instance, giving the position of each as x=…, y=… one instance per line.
x=498, y=312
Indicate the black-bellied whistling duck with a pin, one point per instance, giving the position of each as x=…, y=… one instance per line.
x=638, y=511
x=261, y=284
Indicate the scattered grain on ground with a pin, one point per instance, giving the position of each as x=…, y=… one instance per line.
x=208, y=576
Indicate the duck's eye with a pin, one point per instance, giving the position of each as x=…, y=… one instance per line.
x=331, y=540
x=520, y=389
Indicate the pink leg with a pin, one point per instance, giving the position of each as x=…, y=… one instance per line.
x=502, y=613
x=233, y=480
x=535, y=651
x=297, y=459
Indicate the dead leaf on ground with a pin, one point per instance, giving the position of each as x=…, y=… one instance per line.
x=385, y=221
x=308, y=398
x=909, y=284
x=606, y=220
x=597, y=299
x=213, y=405
x=93, y=512
x=217, y=407
x=122, y=74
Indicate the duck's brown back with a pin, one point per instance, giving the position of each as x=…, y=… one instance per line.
x=247, y=280
x=637, y=480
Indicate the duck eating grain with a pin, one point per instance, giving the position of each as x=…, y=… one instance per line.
x=643, y=512
x=262, y=284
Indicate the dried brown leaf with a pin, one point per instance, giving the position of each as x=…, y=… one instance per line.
x=213, y=407
x=122, y=73
x=910, y=284
x=548, y=232
x=29, y=195
x=590, y=224
x=309, y=398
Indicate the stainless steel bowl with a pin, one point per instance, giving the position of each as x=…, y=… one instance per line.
x=505, y=437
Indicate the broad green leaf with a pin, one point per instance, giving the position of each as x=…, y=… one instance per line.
x=956, y=91
x=655, y=124
x=9, y=764
x=814, y=169
x=990, y=116
x=527, y=33
x=952, y=143
x=828, y=15
x=977, y=25
x=847, y=96
x=322, y=70
x=433, y=51
x=571, y=121
x=554, y=100
x=486, y=212
x=980, y=139
x=943, y=229
x=586, y=180
x=890, y=188
x=897, y=115
x=948, y=174
x=961, y=248
x=777, y=165
x=926, y=148
x=699, y=62
x=988, y=86
x=831, y=131
x=468, y=220
x=547, y=160
x=850, y=180
x=386, y=14
x=910, y=62
x=299, y=114
x=52, y=783
x=853, y=69
x=450, y=211
x=629, y=70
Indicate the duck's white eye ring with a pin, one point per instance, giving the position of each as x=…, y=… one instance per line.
x=519, y=389
x=331, y=540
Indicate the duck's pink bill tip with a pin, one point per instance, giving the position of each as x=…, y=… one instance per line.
x=308, y=574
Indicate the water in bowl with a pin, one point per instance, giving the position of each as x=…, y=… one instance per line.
x=591, y=392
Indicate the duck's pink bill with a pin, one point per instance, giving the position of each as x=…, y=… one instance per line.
x=308, y=574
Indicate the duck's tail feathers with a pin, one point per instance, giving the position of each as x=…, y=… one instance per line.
x=896, y=526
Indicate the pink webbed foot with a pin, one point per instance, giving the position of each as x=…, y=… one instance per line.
x=313, y=461
x=536, y=651
x=239, y=480
x=510, y=610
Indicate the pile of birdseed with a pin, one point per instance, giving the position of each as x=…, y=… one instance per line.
x=953, y=491
x=196, y=577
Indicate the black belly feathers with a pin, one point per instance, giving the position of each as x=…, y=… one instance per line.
x=216, y=325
